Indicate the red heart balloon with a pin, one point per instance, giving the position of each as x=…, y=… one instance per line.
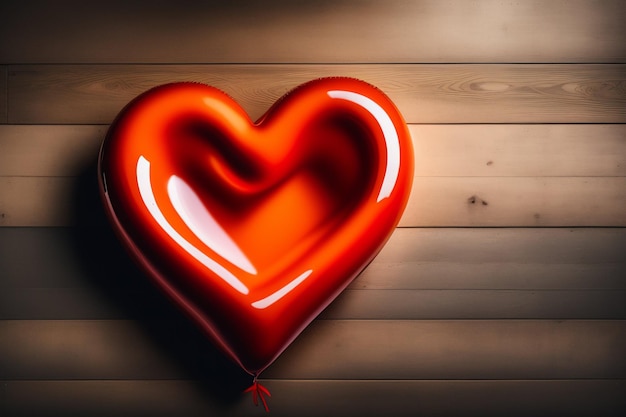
x=254, y=228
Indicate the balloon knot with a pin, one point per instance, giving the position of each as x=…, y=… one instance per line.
x=259, y=392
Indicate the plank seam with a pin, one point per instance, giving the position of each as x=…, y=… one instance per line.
x=371, y=380
x=408, y=123
x=307, y=63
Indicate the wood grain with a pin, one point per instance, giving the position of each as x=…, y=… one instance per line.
x=328, y=349
x=321, y=31
x=543, y=150
x=477, y=304
x=434, y=201
x=428, y=93
x=352, y=304
x=517, y=201
x=440, y=150
x=36, y=201
x=48, y=151
x=526, y=246
x=413, y=259
x=492, y=275
x=308, y=398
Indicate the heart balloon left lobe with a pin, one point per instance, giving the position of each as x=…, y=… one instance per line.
x=254, y=228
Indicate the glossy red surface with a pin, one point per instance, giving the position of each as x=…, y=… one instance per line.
x=254, y=228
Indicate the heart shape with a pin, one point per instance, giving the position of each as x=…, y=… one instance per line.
x=254, y=228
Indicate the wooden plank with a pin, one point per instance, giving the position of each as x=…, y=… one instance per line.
x=48, y=151
x=492, y=275
x=488, y=259
x=527, y=246
x=252, y=31
x=427, y=93
x=519, y=150
x=36, y=201
x=477, y=304
x=328, y=349
x=434, y=201
x=440, y=150
x=96, y=304
x=457, y=349
x=516, y=201
x=314, y=398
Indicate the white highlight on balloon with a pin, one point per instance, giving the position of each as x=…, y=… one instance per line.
x=200, y=221
x=272, y=298
x=145, y=189
x=389, y=133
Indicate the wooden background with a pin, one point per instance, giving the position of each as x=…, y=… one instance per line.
x=502, y=293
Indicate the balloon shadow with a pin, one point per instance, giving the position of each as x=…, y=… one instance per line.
x=106, y=266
